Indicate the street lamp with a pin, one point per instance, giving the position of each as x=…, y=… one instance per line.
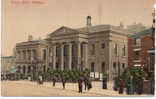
x=118, y=66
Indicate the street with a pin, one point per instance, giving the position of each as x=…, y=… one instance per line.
x=27, y=88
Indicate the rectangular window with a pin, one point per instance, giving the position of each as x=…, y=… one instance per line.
x=115, y=49
x=124, y=51
x=114, y=66
x=103, y=67
x=103, y=45
x=123, y=66
x=93, y=49
x=92, y=67
x=137, y=55
x=137, y=42
x=44, y=54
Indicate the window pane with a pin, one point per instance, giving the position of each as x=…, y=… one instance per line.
x=137, y=55
x=92, y=67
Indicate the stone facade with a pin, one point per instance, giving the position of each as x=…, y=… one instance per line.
x=100, y=48
x=7, y=64
x=29, y=56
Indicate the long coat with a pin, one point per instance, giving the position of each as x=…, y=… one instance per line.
x=140, y=85
x=130, y=89
x=80, y=81
x=121, y=86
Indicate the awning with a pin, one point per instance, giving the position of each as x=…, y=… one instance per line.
x=12, y=71
x=151, y=51
x=137, y=65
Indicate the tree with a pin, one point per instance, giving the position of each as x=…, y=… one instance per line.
x=126, y=75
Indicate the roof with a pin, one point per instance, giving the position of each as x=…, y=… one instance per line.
x=88, y=29
x=7, y=56
x=63, y=30
x=142, y=33
x=31, y=42
x=95, y=28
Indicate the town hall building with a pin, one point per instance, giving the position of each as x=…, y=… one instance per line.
x=99, y=48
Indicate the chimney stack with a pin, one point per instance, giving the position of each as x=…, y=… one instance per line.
x=30, y=38
x=89, y=21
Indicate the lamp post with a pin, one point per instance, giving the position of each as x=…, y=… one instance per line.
x=118, y=66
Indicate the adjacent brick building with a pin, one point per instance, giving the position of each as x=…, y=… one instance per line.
x=138, y=46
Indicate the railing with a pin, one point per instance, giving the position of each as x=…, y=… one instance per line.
x=29, y=61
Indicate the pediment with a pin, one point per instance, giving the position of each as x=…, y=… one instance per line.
x=63, y=30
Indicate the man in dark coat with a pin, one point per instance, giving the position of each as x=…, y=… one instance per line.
x=86, y=82
x=63, y=82
x=140, y=85
x=121, y=86
x=80, y=84
x=89, y=84
x=54, y=80
x=104, y=82
x=134, y=80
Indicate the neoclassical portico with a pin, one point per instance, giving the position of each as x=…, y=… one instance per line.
x=69, y=55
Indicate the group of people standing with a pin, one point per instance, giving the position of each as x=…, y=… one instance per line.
x=133, y=85
x=87, y=83
x=86, y=80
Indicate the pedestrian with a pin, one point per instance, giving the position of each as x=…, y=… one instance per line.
x=86, y=82
x=104, y=82
x=140, y=85
x=63, y=82
x=54, y=80
x=89, y=84
x=134, y=84
x=121, y=86
x=80, y=84
x=130, y=89
x=131, y=85
x=40, y=79
x=116, y=84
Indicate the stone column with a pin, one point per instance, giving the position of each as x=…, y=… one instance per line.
x=26, y=55
x=62, y=57
x=85, y=55
x=54, y=57
x=47, y=58
x=79, y=54
x=70, y=56
x=22, y=55
x=32, y=55
x=19, y=55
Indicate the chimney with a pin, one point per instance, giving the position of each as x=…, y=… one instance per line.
x=30, y=38
x=89, y=21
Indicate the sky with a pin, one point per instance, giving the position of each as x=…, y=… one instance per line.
x=20, y=19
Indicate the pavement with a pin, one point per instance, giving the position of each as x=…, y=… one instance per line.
x=27, y=88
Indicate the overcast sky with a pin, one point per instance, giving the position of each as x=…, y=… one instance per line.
x=19, y=20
